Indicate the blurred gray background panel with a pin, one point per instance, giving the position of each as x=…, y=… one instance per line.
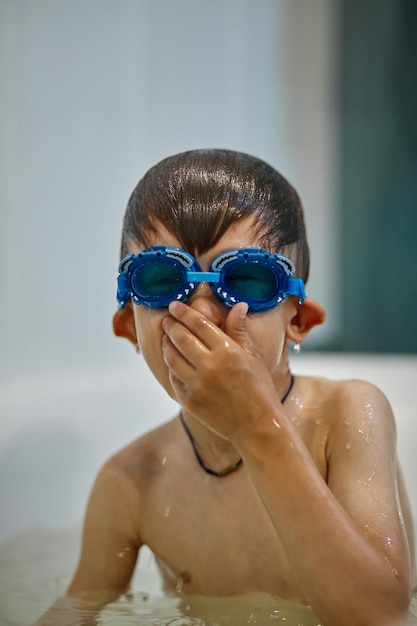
x=94, y=92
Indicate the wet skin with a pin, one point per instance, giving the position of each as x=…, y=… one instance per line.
x=312, y=515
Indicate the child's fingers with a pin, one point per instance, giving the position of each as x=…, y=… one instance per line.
x=172, y=356
x=185, y=342
x=208, y=333
x=175, y=360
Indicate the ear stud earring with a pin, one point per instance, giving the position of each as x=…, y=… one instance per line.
x=297, y=348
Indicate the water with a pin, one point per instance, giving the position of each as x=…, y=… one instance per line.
x=36, y=567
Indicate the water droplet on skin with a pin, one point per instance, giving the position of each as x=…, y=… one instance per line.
x=164, y=460
x=348, y=445
x=122, y=553
x=371, y=477
x=299, y=404
x=370, y=411
x=347, y=422
x=394, y=570
x=167, y=511
x=364, y=431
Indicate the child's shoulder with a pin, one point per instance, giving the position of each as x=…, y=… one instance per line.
x=347, y=392
x=345, y=400
x=145, y=455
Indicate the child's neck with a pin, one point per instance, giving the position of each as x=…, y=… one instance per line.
x=215, y=454
x=218, y=456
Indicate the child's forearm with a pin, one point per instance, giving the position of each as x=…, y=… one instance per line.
x=345, y=576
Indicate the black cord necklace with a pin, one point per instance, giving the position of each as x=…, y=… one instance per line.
x=230, y=468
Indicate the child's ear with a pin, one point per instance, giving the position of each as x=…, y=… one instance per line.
x=307, y=315
x=124, y=324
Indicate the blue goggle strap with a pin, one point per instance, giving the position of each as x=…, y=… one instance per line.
x=203, y=277
x=296, y=288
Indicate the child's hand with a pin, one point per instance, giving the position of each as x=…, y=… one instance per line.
x=219, y=377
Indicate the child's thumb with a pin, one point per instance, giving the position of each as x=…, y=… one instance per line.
x=236, y=326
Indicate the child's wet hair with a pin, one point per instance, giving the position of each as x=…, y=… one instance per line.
x=198, y=194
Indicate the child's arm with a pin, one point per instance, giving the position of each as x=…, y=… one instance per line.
x=109, y=552
x=110, y=541
x=345, y=540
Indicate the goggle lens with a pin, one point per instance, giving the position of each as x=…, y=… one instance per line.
x=251, y=281
x=157, y=278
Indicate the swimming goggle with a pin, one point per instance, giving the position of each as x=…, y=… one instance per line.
x=160, y=275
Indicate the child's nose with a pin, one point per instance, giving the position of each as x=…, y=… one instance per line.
x=204, y=300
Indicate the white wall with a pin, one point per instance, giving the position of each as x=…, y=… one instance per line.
x=93, y=92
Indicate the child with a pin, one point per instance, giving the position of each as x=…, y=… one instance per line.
x=264, y=481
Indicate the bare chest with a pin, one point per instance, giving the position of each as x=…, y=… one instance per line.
x=215, y=538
